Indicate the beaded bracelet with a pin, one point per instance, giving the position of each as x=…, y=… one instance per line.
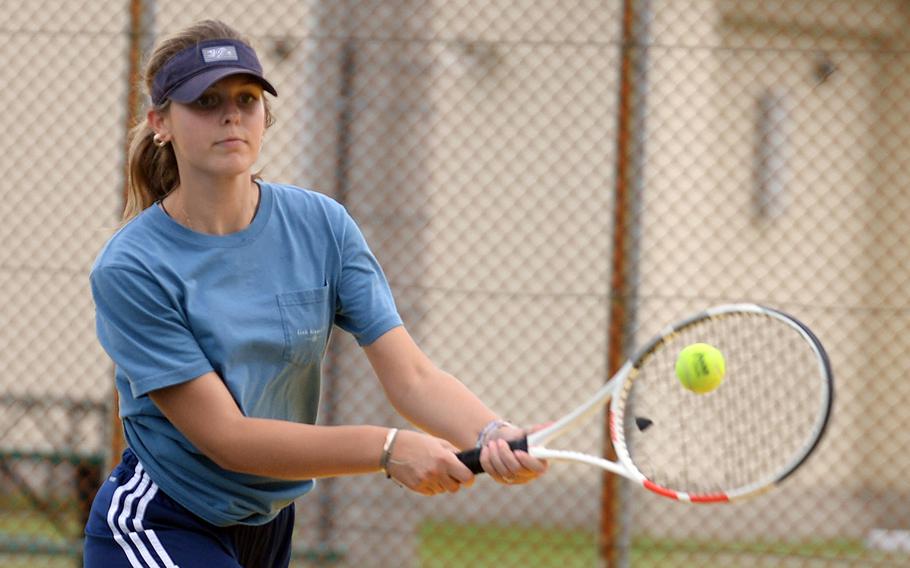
x=492, y=426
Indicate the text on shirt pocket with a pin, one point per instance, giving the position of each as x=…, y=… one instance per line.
x=306, y=318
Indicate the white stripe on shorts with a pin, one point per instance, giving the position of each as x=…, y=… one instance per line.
x=140, y=485
x=153, y=538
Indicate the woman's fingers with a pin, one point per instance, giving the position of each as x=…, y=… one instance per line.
x=427, y=465
x=511, y=467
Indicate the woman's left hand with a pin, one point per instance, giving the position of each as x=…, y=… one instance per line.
x=506, y=466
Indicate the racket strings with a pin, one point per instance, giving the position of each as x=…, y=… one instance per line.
x=747, y=430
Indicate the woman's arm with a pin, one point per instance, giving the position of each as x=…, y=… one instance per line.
x=440, y=404
x=425, y=395
x=204, y=411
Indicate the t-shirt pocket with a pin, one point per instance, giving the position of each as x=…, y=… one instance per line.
x=306, y=318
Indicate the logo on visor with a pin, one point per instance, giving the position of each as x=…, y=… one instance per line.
x=219, y=53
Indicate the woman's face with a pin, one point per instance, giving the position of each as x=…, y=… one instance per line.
x=220, y=133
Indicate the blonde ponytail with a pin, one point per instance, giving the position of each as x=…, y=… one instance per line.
x=152, y=171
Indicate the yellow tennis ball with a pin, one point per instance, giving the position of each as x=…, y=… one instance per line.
x=700, y=367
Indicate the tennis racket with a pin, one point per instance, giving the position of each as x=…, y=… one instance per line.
x=742, y=439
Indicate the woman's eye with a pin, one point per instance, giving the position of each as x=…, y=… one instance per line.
x=247, y=98
x=207, y=101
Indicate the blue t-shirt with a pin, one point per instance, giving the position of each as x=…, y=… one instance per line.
x=254, y=306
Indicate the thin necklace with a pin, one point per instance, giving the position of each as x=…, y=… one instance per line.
x=186, y=216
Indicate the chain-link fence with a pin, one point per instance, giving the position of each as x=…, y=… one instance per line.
x=545, y=184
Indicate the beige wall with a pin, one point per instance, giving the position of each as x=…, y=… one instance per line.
x=518, y=259
x=823, y=257
x=61, y=156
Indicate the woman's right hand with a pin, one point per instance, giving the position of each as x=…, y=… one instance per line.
x=427, y=465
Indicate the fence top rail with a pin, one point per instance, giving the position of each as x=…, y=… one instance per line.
x=11, y=400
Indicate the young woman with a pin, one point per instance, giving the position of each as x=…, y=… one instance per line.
x=215, y=302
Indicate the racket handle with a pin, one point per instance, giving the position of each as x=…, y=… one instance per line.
x=471, y=458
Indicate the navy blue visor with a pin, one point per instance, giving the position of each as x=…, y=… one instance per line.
x=190, y=72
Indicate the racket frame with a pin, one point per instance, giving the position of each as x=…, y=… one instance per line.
x=623, y=379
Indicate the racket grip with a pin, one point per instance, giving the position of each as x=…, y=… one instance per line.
x=471, y=458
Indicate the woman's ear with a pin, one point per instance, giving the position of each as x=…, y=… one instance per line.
x=158, y=123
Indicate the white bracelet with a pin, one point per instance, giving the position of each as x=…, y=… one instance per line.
x=492, y=426
x=387, y=451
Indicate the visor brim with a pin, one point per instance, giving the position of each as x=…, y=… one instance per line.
x=192, y=88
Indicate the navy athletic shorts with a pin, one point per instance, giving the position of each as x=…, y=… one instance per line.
x=134, y=524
